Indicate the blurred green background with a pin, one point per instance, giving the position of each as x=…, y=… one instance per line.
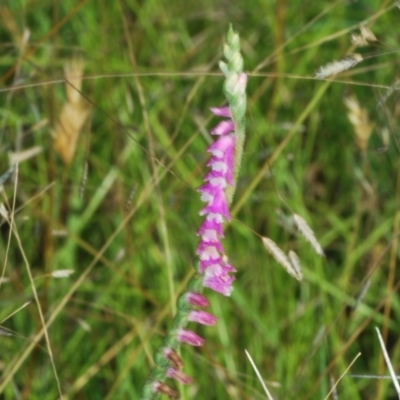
x=122, y=211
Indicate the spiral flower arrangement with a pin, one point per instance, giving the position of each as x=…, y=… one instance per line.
x=214, y=270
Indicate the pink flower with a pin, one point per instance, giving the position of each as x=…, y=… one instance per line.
x=215, y=217
x=186, y=336
x=216, y=179
x=204, y=264
x=220, y=169
x=173, y=357
x=219, y=269
x=224, y=146
x=210, y=226
x=202, y=317
x=223, y=128
x=221, y=284
x=222, y=160
x=179, y=376
x=208, y=192
x=160, y=387
x=221, y=111
x=196, y=299
x=208, y=252
x=204, y=246
x=217, y=205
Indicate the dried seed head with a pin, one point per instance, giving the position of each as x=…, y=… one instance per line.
x=358, y=40
x=359, y=119
x=277, y=253
x=308, y=234
x=367, y=34
x=335, y=67
x=62, y=273
x=296, y=270
x=73, y=114
x=291, y=264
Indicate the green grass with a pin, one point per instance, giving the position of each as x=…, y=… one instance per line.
x=108, y=318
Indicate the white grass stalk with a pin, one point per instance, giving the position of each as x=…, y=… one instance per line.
x=335, y=67
x=361, y=376
x=334, y=391
x=388, y=363
x=308, y=234
x=259, y=376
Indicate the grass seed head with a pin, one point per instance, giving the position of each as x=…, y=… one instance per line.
x=74, y=113
x=358, y=117
x=308, y=233
x=335, y=67
x=296, y=271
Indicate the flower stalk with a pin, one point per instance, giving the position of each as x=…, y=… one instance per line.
x=214, y=270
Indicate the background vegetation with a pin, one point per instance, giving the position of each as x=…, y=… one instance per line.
x=123, y=213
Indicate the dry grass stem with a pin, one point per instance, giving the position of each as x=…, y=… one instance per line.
x=73, y=114
x=388, y=363
x=82, y=185
x=20, y=156
x=363, y=292
x=269, y=396
x=6, y=175
x=332, y=384
x=341, y=376
x=392, y=88
x=4, y=211
x=130, y=198
x=10, y=23
x=358, y=117
x=308, y=234
x=4, y=332
x=15, y=311
x=335, y=67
